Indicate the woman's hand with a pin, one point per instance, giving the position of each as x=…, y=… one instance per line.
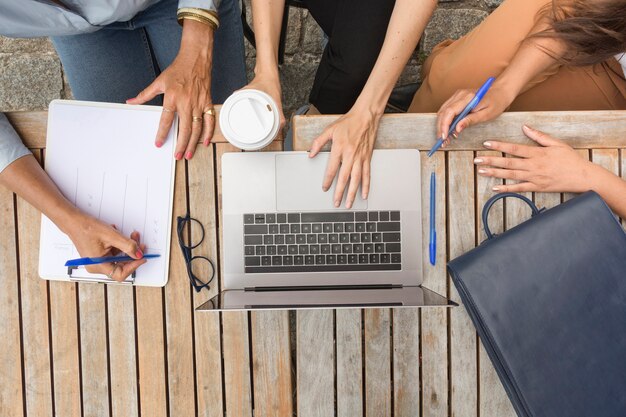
x=495, y=102
x=269, y=84
x=353, y=136
x=186, y=85
x=552, y=167
x=94, y=238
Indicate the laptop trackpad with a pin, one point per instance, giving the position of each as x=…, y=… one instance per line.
x=299, y=184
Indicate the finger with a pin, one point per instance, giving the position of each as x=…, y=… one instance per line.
x=342, y=179
x=508, y=174
x=516, y=188
x=355, y=181
x=208, y=128
x=467, y=121
x=511, y=148
x=165, y=123
x=129, y=246
x=500, y=162
x=447, y=115
x=365, y=180
x=147, y=94
x=184, y=132
x=541, y=138
x=196, y=131
x=126, y=269
x=320, y=141
x=331, y=169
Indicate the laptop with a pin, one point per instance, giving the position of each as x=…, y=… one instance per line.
x=286, y=246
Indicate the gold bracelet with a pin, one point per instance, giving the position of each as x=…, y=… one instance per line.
x=208, y=17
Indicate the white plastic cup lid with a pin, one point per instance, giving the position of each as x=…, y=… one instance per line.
x=249, y=119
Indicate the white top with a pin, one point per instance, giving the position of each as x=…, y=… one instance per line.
x=621, y=58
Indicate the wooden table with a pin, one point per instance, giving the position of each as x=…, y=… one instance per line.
x=93, y=350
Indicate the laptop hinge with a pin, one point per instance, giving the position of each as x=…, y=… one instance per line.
x=325, y=287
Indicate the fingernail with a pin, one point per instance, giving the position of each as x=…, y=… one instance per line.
x=495, y=189
x=139, y=254
x=159, y=144
x=188, y=156
x=179, y=156
x=528, y=127
x=482, y=171
x=478, y=161
x=337, y=202
x=349, y=204
x=206, y=142
x=487, y=144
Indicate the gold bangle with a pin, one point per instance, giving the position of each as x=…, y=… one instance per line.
x=208, y=17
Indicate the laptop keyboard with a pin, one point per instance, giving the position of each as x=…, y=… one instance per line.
x=319, y=242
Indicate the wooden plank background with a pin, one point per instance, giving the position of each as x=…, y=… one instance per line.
x=94, y=350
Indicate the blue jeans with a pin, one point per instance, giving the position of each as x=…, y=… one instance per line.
x=118, y=61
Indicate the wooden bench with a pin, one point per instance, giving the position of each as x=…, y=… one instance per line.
x=94, y=350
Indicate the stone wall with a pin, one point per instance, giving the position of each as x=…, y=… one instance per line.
x=31, y=74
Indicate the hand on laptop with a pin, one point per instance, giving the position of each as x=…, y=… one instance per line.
x=94, y=238
x=353, y=136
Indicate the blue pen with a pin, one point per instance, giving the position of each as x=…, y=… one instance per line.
x=432, y=246
x=470, y=106
x=105, y=259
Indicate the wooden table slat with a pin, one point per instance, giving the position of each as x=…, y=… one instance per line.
x=462, y=238
x=316, y=363
x=11, y=393
x=178, y=314
x=378, y=392
x=434, y=321
x=93, y=347
x=406, y=361
x=122, y=351
x=349, y=362
x=201, y=174
x=583, y=129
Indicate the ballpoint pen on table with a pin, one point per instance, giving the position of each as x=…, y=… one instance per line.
x=470, y=106
x=105, y=259
x=432, y=245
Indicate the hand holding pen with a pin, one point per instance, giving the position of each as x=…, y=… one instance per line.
x=467, y=107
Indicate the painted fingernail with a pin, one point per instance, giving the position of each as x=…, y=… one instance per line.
x=206, y=142
x=487, y=144
x=139, y=254
x=478, y=161
x=159, y=144
x=178, y=156
x=482, y=171
x=495, y=189
x=188, y=156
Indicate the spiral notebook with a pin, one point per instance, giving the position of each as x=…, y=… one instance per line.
x=103, y=159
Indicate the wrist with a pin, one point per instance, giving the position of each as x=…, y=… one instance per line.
x=598, y=179
x=197, y=37
x=266, y=70
x=508, y=86
x=68, y=219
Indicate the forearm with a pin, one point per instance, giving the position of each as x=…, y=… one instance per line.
x=267, y=18
x=407, y=23
x=534, y=56
x=611, y=188
x=27, y=179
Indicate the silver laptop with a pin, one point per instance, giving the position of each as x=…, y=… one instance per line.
x=286, y=246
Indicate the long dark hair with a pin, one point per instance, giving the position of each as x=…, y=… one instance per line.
x=592, y=31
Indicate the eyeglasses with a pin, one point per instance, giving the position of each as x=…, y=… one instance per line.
x=191, y=235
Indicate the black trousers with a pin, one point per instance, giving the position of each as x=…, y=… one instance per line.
x=356, y=30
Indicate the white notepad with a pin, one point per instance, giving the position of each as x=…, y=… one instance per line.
x=103, y=159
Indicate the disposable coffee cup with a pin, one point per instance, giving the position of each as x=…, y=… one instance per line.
x=249, y=119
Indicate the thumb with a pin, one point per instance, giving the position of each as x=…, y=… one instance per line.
x=320, y=141
x=469, y=120
x=541, y=138
x=146, y=95
x=125, y=244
